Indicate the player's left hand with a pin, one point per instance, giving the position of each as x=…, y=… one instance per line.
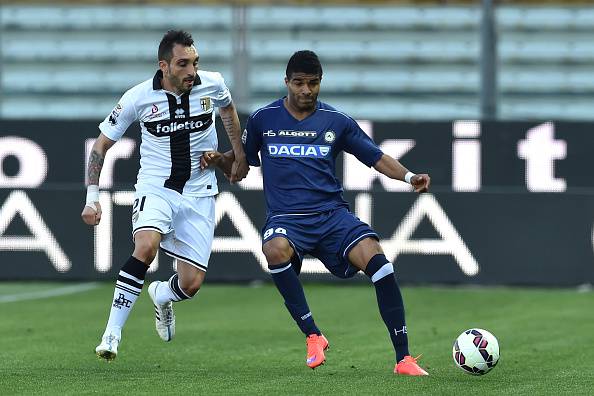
x=420, y=182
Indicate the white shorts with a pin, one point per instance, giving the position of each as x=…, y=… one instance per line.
x=185, y=223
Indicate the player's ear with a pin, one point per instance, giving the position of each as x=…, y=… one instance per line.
x=164, y=66
x=286, y=80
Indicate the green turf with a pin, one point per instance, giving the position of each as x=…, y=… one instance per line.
x=240, y=340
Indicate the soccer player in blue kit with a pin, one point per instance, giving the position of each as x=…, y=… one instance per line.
x=299, y=138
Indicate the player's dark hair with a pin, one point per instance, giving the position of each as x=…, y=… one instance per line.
x=304, y=62
x=169, y=40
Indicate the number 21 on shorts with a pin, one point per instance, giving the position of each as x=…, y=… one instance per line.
x=137, y=208
x=271, y=231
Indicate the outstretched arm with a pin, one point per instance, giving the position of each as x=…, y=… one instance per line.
x=91, y=213
x=230, y=119
x=392, y=168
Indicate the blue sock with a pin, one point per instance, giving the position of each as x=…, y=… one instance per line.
x=389, y=301
x=287, y=283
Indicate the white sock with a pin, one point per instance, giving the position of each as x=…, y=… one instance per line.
x=164, y=293
x=171, y=291
x=126, y=292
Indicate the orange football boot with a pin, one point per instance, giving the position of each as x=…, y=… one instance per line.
x=409, y=366
x=316, y=345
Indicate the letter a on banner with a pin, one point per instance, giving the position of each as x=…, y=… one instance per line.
x=450, y=243
x=42, y=240
x=249, y=240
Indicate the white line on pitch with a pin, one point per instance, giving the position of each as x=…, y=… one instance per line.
x=60, y=291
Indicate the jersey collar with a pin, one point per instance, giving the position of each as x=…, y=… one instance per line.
x=159, y=76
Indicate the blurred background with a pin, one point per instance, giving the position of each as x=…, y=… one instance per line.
x=493, y=98
x=384, y=60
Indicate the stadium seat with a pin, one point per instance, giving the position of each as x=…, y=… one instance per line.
x=415, y=62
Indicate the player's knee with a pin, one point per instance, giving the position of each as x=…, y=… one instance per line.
x=191, y=286
x=276, y=251
x=378, y=268
x=145, y=250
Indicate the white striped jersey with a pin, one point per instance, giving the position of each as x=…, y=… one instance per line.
x=175, y=131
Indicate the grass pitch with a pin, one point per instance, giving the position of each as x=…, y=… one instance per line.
x=240, y=340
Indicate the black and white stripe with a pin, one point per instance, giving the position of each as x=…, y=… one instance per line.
x=129, y=283
x=187, y=260
x=179, y=144
x=176, y=288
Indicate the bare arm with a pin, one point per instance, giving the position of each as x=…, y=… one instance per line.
x=392, y=168
x=96, y=158
x=91, y=213
x=231, y=123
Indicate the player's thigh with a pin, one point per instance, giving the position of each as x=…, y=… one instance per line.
x=193, y=232
x=152, y=211
x=344, y=232
x=151, y=219
x=363, y=251
x=296, y=231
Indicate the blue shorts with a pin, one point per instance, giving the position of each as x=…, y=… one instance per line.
x=328, y=236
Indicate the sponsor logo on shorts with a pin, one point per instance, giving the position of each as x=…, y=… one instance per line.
x=298, y=150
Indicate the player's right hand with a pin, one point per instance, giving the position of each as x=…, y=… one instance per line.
x=91, y=216
x=420, y=182
x=239, y=169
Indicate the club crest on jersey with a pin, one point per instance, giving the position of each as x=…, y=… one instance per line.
x=244, y=136
x=205, y=103
x=298, y=150
x=329, y=136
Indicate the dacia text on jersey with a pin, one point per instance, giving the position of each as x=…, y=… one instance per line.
x=298, y=150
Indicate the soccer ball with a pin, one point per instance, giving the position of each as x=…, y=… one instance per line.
x=476, y=351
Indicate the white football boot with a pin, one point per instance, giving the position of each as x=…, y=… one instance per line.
x=108, y=349
x=164, y=316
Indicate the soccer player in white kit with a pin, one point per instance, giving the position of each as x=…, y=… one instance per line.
x=174, y=205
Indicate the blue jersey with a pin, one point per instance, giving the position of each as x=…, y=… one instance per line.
x=298, y=157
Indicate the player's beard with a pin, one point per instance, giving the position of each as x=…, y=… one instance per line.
x=304, y=106
x=180, y=84
x=309, y=105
